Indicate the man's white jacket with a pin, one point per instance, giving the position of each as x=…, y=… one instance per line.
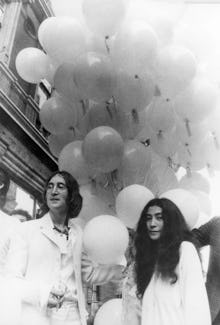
x=33, y=262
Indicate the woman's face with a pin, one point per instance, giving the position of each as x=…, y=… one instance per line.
x=154, y=222
x=57, y=193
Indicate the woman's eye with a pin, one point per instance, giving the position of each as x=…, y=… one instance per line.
x=61, y=186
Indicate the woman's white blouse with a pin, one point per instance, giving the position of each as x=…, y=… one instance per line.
x=182, y=303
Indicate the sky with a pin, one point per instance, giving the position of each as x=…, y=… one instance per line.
x=205, y=19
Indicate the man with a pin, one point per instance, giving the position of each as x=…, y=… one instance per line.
x=209, y=234
x=46, y=260
x=8, y=224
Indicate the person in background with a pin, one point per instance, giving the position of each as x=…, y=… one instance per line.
x=21, y=215
x=209, y=234
x=46, y=261
x=166, y=276
x=8, y=224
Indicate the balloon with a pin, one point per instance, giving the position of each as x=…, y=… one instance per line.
x=95, y=76
x=72, y=161
x=56, y=115
x=160, y=114
x=103, y=148
x=32, y=64
x=135, y=163
x=187, y=204
x=101, y=114
x=176, y=68
x=164, y=27
x=204, y=202
x=110, y=313
x=197, y=101
x=133, y=92
x=58, y=141
x=194, y=181
x=160, y=177
x=135, y=47
x=209, y=152
x=104, y=16
x=64, y=82
x=44, y=26
x=105, y=247
x=93, y=204
x=164, y=144
x=130, y=202
x=63, y=38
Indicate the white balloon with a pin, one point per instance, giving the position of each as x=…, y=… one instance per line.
x=95, y=76
x=105, y=239
x=160, y=177
x=160, y=114
x=72, y=161
x=164, y=144
x=135, y=48
x=186, y=203
x=204, y=202
x=93, y=204
x=110, y=313
x=176, y=67
x=194, y=181
x=197, y=101
x=130, y=202
x=133, y=92
x=32, y=64
x=63, y=38
x=104, y=16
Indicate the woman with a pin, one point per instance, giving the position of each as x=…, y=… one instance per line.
x=167, y=270
x=46, y=261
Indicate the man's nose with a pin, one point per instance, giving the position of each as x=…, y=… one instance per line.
x=54, y=190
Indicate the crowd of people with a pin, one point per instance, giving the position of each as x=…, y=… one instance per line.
x=163, y=282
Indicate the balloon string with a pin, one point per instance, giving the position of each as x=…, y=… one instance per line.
x=216, y=142
x=160, y=135
x=114, y=103
x=106, y=44
x=188, y=150
x=188, y=171
x=135, y=116
x=187, y=123
x=85, y=104
x=171, y=164
x=210, y=170
x=113, y=179
x=109, y=110
x=157, y=91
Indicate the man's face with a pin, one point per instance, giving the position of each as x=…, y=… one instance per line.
x=56, y=194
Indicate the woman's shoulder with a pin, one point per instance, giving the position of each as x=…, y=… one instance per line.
x=187, y=246
x=187, y=251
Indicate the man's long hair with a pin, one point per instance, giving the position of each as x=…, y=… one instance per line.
x=162, y=255
x=74, y=198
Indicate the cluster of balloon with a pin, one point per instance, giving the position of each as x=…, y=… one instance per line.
x=130, y=106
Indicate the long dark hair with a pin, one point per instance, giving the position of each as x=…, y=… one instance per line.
x=162, y=255
x=74, y=199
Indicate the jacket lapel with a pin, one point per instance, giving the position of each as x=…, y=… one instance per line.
x=46, y=228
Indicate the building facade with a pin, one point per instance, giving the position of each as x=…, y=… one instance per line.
x=24, y=151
